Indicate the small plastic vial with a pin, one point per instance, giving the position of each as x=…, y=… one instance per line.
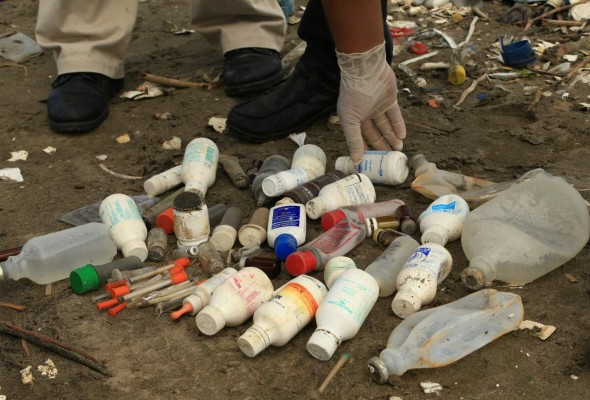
x=210, y=258
x=157, y=244
x=231, y=166
x=270, y=266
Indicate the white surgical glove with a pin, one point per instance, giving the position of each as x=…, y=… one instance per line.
x=367, y=104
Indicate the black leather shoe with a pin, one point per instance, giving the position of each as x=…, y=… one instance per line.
x=251, y=69
x=288, y=109
x=79, y=101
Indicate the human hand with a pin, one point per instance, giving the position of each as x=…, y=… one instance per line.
x=367, y=104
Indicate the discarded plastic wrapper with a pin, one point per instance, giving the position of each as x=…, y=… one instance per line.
x=11, y=174
x=86, y=214
x=18, y=47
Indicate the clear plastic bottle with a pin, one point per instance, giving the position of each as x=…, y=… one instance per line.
x=311, y=159
x=271, y=165
x=442, y=221
x=388, y=265
x=442, y=335
x=50, y=258
x=524, y=232
x=361, y=212
x=382, y=167
x=277, y=321
x=343, y=311
x=199, y=165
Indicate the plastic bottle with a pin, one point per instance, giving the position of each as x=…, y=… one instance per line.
x=269, y=265
x=235, y=300
x=442, y=335
x=442, y=221
x=270, y=166
x=342, y=312
x=353, y=190
x=382, y=167
x=254, y=232
x=309, y=190
x=284, y=181
x=233, y=169
x=120, y=213
x=416, y=283
x=338, y=241
x=524, y=232
x=50, y=258
x=224, y=235
x=335, y=267
x=157, y=244
x=199, y=165
x=387, y=266
x=163, y=181
x=311, y=159
x=253, y=169
x=91, y=277
x=277, y=321
x=210, y=258
x=286, y=230
x=191, y=219
x=405, y=224
x=200, y=295
x=361, y=212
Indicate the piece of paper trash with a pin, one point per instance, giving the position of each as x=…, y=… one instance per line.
x=21, y=155
x=123, y=139
x=48, y=369
x=430, y=387
x=12, y=174
x=50, y=150
x=27, y=375
x=173, y=144
x=570, y=57
x=218, y=124
x=185, y=32
x=541, y=331
x=18, y=47
x=146, y=90
x=334, y=120
x=101, y=157
x=571, y=277
x=585, y=106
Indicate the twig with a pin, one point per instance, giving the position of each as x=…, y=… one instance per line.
x=25, y=347
x=562, y=23
x=536, y=99
x=118, y=175
x=177, y=83
x=477, y=11
x=343, y=360
x=530, y=22
x=574, y=71
x=469, y=90
x=55, y=345
x=426, y=126
x=12, y=306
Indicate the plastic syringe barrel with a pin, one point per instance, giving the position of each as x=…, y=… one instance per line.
x=104, y=271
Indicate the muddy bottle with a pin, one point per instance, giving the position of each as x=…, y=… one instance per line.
x=269, y=265
x=524, y=232
x=50, y=258
x=199, y=165
x=343, y=311
x=210, y=258
x=382, y=167
x=387, y=266
x=163, y=181
x=253, y=169
x=235, y=300
x=310, y=190
x=417, y=281
x=157, y=244
x=191, y=219
x=270, y=166
x=224, y=235
x=442, y=335
x=442, y=222
x=233, y=169
x=120, y=213
x=277, y=321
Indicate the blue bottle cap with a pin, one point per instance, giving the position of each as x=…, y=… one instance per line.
x=285, y=244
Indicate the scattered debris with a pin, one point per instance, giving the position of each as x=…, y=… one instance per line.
x=27, y=375
x=48, y=369
x=173, y=144
x=101, y=157
x=146, y=90
x=118, y=175
x=123, y=138
x=50, y=150
x=18, y=47
x=343, y=360
x=184, y=32
x=430, y=387
x=572, y=278
x=469, y=90
x=218, y=124
x=175, y=83
x=574, y=377
x=334, y=120
x=163, y=116
x=21, y=155
x=48, y=289
x=12, y=174
x=12, y=306
x=541, y=331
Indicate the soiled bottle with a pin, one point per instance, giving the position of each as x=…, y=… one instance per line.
x=524, y=232
x=271, y=165
x=442, y=335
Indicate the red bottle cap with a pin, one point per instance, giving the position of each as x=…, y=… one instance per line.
x=331, y=218
x=419, y=48
x=166, y=220
x=119, y=291
x=300, y=262
x=178, y=278
x=183, y=262
x=176, y=269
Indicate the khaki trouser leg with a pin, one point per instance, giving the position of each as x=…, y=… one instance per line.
x=234, y=24
x=87, y=36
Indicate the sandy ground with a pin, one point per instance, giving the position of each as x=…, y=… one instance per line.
x=152, y=357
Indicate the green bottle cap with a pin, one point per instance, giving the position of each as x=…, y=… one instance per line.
x=84, y=279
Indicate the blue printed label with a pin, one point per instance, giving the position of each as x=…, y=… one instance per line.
x=285, y=216
x=419, y=255
x=448, y=208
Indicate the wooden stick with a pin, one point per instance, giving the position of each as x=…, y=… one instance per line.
x=530, y=22
x=343, y=360
x=55, y=345
x=12, y=306
x=562, y=23
x=177, y=83
x=540, y=71
x=25, y=347
x=536, y=99
x=118, y=175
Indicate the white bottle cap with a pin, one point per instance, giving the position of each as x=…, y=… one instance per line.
x=251, y=235
x=435, y=234
x=210, y=320
x=195, y=302
x=253, y=341
x=322, y=344
x=273, y=186
x=135, y=248
x=223, y=237
x=405, y=303
x=198, y=187
x=316, y=207
x=342, y=165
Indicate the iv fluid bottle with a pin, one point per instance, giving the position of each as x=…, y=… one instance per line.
x=199, y=166
x=50, y=258
x=442, y=221
x=382, y=167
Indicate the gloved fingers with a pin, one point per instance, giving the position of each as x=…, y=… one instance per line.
x=354, y=141
x=373, y=136
x=396, y=119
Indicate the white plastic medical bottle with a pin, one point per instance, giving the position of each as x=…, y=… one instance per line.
x=342, y=312
x=163, y=182
x=235, y=300
x=277, y=321
x=199, y=166
x=416, y=283
x=311, y=159
x=284, y=181
x=336, y=267
x=286, y=230
x=353, y=190
x=382, y=167
x=387, y=266
x=120, y=213
x=442, y=221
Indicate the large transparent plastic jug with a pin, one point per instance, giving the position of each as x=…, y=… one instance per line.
x=442, y=335
x=524, y=232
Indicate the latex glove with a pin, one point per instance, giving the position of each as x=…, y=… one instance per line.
x=367, y=104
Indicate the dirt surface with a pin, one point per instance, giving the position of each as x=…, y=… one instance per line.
x=151, y=357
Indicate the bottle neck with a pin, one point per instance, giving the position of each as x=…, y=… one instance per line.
x=482, y=270
x=397, y=361
x=12, y=268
